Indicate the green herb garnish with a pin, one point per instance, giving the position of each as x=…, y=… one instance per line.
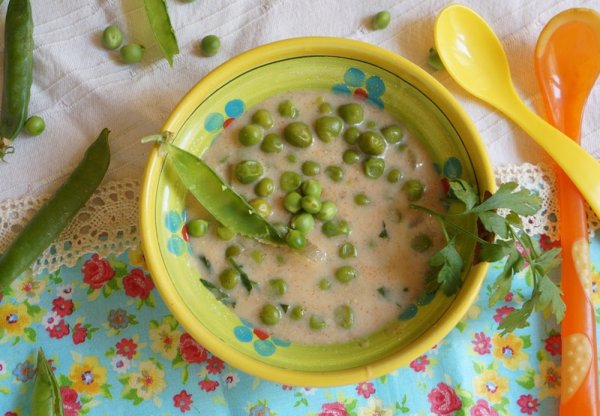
x=219, y=294
x=246, y=281
x=384, y=232
x=511, y=242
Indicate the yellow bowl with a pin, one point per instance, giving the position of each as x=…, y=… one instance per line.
x=386, y=80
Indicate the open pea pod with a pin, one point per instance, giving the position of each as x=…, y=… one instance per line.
x=46, y=399
x=219, y=199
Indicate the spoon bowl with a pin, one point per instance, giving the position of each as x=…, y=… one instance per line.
x=475, y=59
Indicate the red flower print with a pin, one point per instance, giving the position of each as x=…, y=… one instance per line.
x=481, y=343
x=509, y=297
x=182, y=401
x=444, y=400
x=546, y=243
x=333, y=409
x=528, y=404
x=127, y=347
x=11, y=414
x=420, y=364
x=365, y=389
x=62, y=307
x=96, y=272
x=482, y=408
x=502, y=313
x=286, y=387
x=137, y=284
x=59, y=330
x=208, y=385
x=79, y=334
x=71, y=405
x=214, y=365
x=554, y=344
x=190, y=350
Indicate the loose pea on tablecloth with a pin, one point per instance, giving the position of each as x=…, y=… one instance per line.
x=117, y=350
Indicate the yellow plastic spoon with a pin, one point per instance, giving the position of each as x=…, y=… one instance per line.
x=473, y=56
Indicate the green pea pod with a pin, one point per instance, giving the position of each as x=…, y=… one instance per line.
x=57, y=212
x=46, y=399
x=18, y=71
x=158, y=15
x=220, y=200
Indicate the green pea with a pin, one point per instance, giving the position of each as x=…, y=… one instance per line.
x=311, y=187
x=132, y=53
x=310, y=168
x=335, y=228
x=311, y=204
x=270, y=314
x=371, y=143
x=352, y=113
x=392, y=134
x=210, y=45
x=327, y=212
x=278, y=286
x=335, y=173
x=263, y=118
x=257, y=255
x=292, y=158
x=112, y=37
x=290, y=181
x=35, y=125
x=343, y=316
x=346, y=274
x=324, y=284
x=298, y=134
x=381, y=20
x=264, y=187
x=297, y=312
x=224, y=233
x=248, y=171
x=374, y=167
x=250, y=135
x=394, y=175
x=421, y=243
x=371, y=125
x=261, y=206
x=291, y=202
x=351, y=135
x=350, y=157
x=272, y=143
x=347, y=251
x=303, y=222
x=229, y=278
x=361, y=199
x=325, y=108
x=316, y=322
x=433, y=59
x=197, y=227
x=413, y=188
x=233, y=251
x=295, y=239
x=328, y=127
x=287, y=109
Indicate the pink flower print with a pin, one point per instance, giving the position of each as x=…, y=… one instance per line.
x=365, y=389
x=502, y=313
x=420, y=364
x=482, y=344
x=528, y=404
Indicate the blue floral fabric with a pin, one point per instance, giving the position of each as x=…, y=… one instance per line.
x=116, y=349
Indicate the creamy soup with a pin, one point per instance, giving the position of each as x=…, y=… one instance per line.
x=374, y=248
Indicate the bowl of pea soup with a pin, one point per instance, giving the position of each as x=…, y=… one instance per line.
x=332, y=143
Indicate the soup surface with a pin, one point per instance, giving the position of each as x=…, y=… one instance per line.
x=345, y=188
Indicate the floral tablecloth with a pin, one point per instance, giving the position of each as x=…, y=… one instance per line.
x=117, y=350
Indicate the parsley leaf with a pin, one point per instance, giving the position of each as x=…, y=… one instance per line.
x=450, y=265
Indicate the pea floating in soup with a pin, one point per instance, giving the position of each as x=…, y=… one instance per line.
x=340, y=174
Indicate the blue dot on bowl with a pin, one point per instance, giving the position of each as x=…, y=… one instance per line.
x=281, y=342
x=354, y=77
x=213, y=122
x=452, y=168
x=176, y=245
x=173, y=221
x=234, y=108
x=264, y=347
x=375, y=87
x=243, y=333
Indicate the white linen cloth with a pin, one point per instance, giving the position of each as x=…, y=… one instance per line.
x=79, y=87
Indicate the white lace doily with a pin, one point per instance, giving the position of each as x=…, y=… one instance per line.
x=107, y=224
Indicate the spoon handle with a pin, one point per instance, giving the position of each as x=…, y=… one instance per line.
x=578, y=165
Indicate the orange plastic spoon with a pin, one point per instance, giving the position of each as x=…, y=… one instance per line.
x=567, y=62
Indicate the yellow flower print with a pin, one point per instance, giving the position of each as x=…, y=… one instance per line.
x=509, y=350
x=491, y=385
x=88, y=376
x=596, y=287
x=28, y=288
x=548, y=380
x=150, y=380
x=165, y=339
x=375, y=408
x=136, y=257
x=14, y=319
